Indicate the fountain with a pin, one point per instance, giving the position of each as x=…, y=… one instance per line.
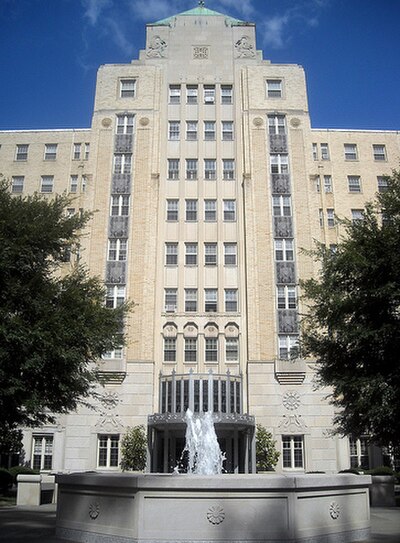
x=199, y=507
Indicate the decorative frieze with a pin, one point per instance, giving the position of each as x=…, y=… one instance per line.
x=123, y=143
x=287, y=321
x=278, y=143
x=116, y=273
x=118, y=227
x=280, y=183
x=283, y=227
x=121, y=183
x=285, y=273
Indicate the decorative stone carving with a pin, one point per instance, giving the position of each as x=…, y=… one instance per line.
x=283, y=227
x=287, y=321
x=285, y=273
x=109, y=399
x=244, y=48
x=190, y=330
x=231, y=330
x=94, y=510
x=144, y=121
x=170, y=330
x=291, y=400
x=106, y=122
x=118, y=227
x=215, y=514
x=257, y=121
x=201, y=52
x=280, y=183
x=116, y=273
x=211, y=330
x=121, y=183
x=295, y=122
x=123, y=143
x=292, y=422
x=109, y=422
x=156, y=48
x=278, y=143
x=334, y=510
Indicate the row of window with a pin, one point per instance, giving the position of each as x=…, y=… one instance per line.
x=321, y=151
x=211, y=349
x=354, y=183
x=356, y=215
x=47, y=184
x=210, y=210
x=192, y=130
x=207, y=94
x=191, y=254
x=192, y=304
x=80, y=151
x=209, y=168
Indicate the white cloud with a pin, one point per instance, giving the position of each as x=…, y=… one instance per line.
x=244, y=8
x=154, y=10
x=94, y=9
x=274, y=31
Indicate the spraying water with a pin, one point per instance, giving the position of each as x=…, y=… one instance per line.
x=204, y=454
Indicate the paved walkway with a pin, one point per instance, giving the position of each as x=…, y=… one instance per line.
x=37, y=525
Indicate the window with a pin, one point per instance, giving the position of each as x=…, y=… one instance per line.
x=276, y=124
x=379, y=152
x=292, y=452
x=279, y=163
x=125, y=124
x=324, y=151
x=172, y=210
x=191, y=168
x=42, y=452
x=87, y=151
x=83, y=183
x=286, y=297
x=210, y=168
x=210, y=300
x=315, y=151
x=209, y=130
x=230, y=210
x=359, y=457
x=46, y=184
x=210, y=254
x=357, y=215
x=191, y=94
x=108, y=451
x=73, y=183
x=231, y=299
x=287, y=346
x=284, y=250
x=190, y=299
x=174, y=94
x=330, y=217
x=328, y=184
x=190, y=254
x=321, y=217
x=117, y=249
x=122, y=162
x=231, y=349
x=170, y=299
x=191, y=210
x=115, y=296
x=350, y=151
x=211, y=349
x=116, y=354
x=50, y=151
x=282, y=206
x=354, y=183
x=77, y=151
x=17, y=184
x=274, y=88
x=120, y=205
x=22, y=152
x=226, y=94
x=173, y=168
x=127, y=88
x=190, y=349
x=209, y=94
x=227, y=130
x=191, y=130
x=171, y=254
x=210, y=210
x=228, y=168
x=382, y=183
x=174, y=130
x=230, y=254
x=317, y=183
x=169, y=349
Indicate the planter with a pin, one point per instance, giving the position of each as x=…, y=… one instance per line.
x=382, y=491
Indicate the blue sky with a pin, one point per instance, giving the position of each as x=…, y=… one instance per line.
x=51, y=49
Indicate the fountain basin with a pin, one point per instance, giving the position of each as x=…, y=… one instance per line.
x=160, y=508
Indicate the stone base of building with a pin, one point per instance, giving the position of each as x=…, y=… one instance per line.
x=122, y=508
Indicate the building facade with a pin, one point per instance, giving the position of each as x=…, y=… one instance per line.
x=207, y=181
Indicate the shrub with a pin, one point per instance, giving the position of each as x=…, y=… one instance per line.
x=17, y=470
x=350, y=470
x=266, y=454
x=6, y=480
x=134, y=449
x=381, y=470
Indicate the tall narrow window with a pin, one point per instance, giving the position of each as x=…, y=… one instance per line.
x=330, y=216
x=122, y=162
x=174, y=130
x=125, y=124
x=73, y=183
x=173, y=168
x=276, y=124
x=119, y=205
x=211, y=295
x=17, y=184
x=190, y=349
x=210, y=254
x=274, y=88
x=231, y=299
x=379, y=152
x=210, y=168
x=108, y=451
x=328, y=184
x=315, y=151
x=50, y=151
x=172, y=210
x=174, y=94
x=279, y=163
x=77, y=151
x=359, y=453
x=209, y=94
x=42, y=452
x=350, y=151
x=286, y=297
x=171, y=254
x=209, y=130
x=21, y=152
x=231, y=349
x=191, y=299
x=191, y=94
x=169, y=349
x=127, y=88
x=115, y=296
x=211, y=349
x=191, y=168
x=230, y=254
x=191, y=130
x=210, y=210
x=226, y=94
x=117, y=249
x=282, y=206
x=87, y=151
x=382, y=183
x=227, y=130
x=191, y=254
x=170, y=299
x=293, y=452
x=229, y=210
x=354, y=183
x=191, y=210
x=228, y=168
x=324, y=151
x=47, y=183
x=284, y=250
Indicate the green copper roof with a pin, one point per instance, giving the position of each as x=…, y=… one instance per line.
x=200, y=10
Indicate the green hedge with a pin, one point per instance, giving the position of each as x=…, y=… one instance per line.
x=17, y=470
x=6, y=480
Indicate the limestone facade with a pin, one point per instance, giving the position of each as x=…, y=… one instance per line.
x=207, y=180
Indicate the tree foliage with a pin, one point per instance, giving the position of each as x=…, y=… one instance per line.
x=134, y=449
x=353, y=321
x=266, y=454
x=53, y=327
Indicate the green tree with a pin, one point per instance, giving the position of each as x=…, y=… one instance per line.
x=53, y=326
x=266, y=454
x=353, y=321
x=134, y=449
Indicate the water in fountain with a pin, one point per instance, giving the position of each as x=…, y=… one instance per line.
x=202, y=447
